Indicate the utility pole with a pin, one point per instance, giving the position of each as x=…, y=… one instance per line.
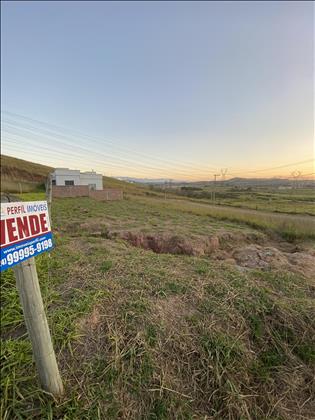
x=299, y=178
x=170, y=185
x=214, y=189
x=223, y=173
x=296, y=175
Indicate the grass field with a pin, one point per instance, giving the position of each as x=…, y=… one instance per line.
x=296, y=200
x=288, y=226
x=146, y=335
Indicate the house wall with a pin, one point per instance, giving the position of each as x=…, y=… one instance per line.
x=70, y=191
x=84, y=191
x=88, y=178
x=62, y=174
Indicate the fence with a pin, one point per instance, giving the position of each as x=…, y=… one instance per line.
x=84, y=191
x=106, y=194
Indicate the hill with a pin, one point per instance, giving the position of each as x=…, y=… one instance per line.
x=252, y=182
x=127, y=187
x=18, y=175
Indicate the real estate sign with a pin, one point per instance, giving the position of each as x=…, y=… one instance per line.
x=25, y=231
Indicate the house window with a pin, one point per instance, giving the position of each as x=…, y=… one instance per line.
x=69, y=182
x=53, y=182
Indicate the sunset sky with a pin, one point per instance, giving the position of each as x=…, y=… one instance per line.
x=160, y=89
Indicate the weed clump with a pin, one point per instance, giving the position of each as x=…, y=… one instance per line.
x=106, y=266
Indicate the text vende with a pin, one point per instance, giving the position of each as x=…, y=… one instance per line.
x=22, y=227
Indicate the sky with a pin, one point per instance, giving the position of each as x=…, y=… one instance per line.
x=174, y=90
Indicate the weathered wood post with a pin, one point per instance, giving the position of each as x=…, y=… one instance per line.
x=37, y=326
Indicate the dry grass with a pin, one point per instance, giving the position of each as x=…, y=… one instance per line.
x=160, y=336
x=288, y=226
x=220, y=344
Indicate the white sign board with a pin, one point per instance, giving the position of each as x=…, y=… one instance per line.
x=25, y=231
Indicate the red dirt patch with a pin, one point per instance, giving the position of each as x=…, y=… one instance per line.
x=196, y=246
x=225, y=246
x=172, y=244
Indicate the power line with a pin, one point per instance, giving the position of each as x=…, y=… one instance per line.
x=283, y=166
x=36, y=132
x=82, y=160
x=125, y=150
x=183, y=172
x=180, y=168
x=107, y=156
x=15, y=145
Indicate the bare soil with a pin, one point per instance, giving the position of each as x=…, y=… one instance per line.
x=243, y=249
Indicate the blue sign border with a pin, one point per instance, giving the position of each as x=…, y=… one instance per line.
x=33, y=248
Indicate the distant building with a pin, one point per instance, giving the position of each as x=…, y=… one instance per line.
x=68, y=177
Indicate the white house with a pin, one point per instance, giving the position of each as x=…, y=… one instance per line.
x=65, y=176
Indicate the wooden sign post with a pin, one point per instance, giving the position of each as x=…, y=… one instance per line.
x=25, y=233
x=37, y=326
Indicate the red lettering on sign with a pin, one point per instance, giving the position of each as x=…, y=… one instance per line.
x=11, y=230
x=43, y=222
x=19, y=228
x=34, y=225
x=2, y=232
x=22, y=226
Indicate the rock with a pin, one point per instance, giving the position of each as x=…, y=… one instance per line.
x=255, y=256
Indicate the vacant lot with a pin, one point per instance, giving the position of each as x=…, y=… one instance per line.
x=295, y=200
x=159, y=311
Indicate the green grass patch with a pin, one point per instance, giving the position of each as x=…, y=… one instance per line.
x=221, y=348
x=106, y=266
x=268, y=362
